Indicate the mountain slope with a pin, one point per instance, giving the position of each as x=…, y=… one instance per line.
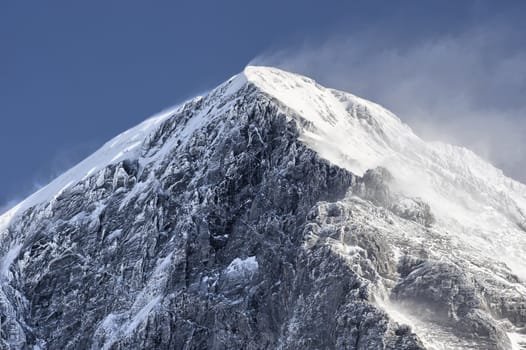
x=270, y=213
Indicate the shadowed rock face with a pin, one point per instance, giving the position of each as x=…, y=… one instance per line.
x=143, y=257
x=226, y=232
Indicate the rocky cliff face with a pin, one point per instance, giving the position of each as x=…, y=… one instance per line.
x=223, y=225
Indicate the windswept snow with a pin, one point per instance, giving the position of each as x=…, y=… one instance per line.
x=242, y=268
x=355, y=134
x=475, y=200
x=480, y=205
x=124, y=146
x=350, y=132
x=518, y=341
x=481, y=214
x=8, y=259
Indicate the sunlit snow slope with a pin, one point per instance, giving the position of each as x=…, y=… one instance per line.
x=474, y=199
x=480, y=213
x=358, y=135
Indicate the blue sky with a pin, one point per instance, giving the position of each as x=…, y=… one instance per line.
x=74, y=74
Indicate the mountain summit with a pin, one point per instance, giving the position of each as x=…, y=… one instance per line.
x=271, y=213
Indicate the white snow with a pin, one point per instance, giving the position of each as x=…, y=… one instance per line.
x=242, y=268
x=518, y=341
x=117, y=326
x=141, y=316
x=114, y=235
x=7, y=260
x=461, y=188
x=478, y=209
x=469, y=196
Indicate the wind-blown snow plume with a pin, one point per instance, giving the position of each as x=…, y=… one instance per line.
x=466, y=89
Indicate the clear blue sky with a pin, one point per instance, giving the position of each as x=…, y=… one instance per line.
x=75, y=73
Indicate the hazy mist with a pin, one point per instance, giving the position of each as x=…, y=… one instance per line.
x=467, y=89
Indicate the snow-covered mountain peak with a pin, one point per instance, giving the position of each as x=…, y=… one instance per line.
x=367, y=130
x=359, y=135
x=276, y=201
x=350, y=132
x=469, y=196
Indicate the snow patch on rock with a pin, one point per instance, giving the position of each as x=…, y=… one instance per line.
x=242, y=268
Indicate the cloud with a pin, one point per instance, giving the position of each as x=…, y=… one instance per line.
x=466, y=89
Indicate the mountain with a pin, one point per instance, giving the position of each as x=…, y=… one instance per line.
x=271, y=213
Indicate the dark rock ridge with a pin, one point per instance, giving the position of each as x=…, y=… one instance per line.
x=232, y=235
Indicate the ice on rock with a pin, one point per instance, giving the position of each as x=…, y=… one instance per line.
x=8, y=259
x=242, y=268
